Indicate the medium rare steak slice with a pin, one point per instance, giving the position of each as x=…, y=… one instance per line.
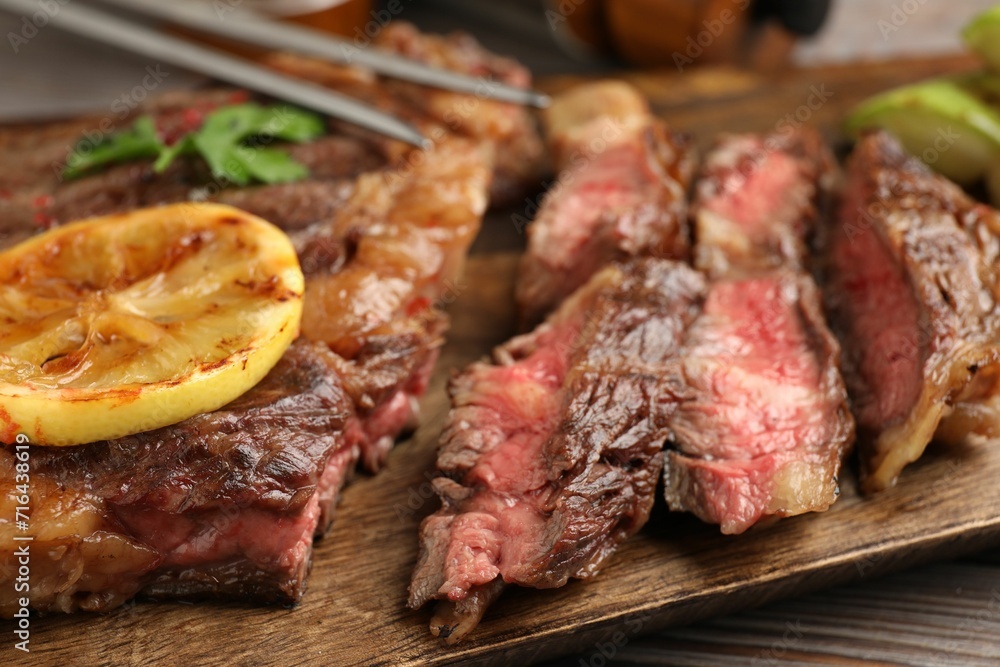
x=552, y=450
x=620, y=194
x=912, y=289
x=758, y=200
x=224, y=504
x=763, y=425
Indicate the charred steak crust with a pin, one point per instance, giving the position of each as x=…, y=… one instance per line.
x=217, y=460
x=913, y=295
x=552, y=450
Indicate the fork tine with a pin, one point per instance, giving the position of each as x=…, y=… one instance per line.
x=104, y=27
x=245, y=26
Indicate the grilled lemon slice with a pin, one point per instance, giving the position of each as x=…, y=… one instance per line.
x=118, y=325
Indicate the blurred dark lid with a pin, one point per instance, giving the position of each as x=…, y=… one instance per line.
x=802, y=17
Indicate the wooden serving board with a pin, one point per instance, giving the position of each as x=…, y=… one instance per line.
x=675, y=571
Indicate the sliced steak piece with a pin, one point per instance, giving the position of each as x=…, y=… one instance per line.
x=913, y=294
x=764, y=424
x=508, y=128
x=552, y=450
x=394, y=251
x=758, y=200
x=224, y=504
x=620, y=194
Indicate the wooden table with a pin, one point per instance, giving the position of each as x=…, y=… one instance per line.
x=946, y=614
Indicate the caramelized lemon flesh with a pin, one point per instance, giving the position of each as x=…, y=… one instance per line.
x=118, y=325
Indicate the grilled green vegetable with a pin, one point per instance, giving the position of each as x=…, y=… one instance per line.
x=982, y=35
x=947, y=122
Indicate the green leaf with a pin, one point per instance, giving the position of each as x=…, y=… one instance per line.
x=270, y=165
x=140, y=141
x=222, y=141
x=218, y=149
x=169, y=153
x=233, y=141
x=234, y=123
x=296, y=125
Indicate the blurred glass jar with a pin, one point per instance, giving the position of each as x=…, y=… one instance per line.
x=651, y=32
x=684, y=32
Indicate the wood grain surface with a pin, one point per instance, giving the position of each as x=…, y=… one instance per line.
x=674, y=572
x=708, y=101
x=946, y=615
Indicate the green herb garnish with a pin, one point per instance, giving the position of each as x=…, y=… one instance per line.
x=233, y=141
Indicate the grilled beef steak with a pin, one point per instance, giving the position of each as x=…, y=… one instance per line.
x=758, y=199
x=913, y=292
x=620, y=194
x=34, y=195
x=222, y=504
x=508, y=129
x=226, y=504
x=763, y=424
x=552, y=450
